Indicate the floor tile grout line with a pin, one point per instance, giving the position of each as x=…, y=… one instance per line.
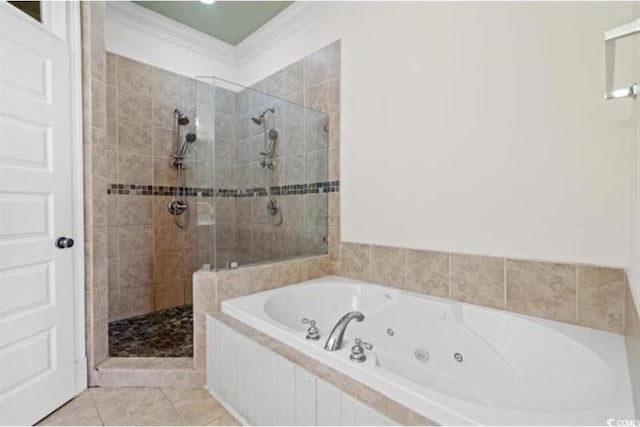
x=178, y=411
x=95, y=405
x=172, y=405
x=131, y=420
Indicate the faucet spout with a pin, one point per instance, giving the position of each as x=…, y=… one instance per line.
x=334, y=342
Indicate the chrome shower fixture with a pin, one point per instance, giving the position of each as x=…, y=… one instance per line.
x=260, y=119
x=182, y=119
x=270, y=138
x=178, y=206
x=178, y=158
x=188, y=140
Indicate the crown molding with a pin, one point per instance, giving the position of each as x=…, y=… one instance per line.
x=281, y=26
x=160, y=27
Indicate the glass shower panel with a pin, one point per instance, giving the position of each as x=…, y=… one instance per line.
x=204, y=155
x=268, y=169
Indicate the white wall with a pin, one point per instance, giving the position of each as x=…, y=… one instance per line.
x=474, y=128
x=633, y=271
x=138, y=45
x=477, y=128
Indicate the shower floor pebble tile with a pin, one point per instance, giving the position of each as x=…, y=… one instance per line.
x=164, y=333
x=141, y=406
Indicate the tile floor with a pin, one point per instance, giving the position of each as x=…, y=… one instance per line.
x=164, y=333
x=141, y=406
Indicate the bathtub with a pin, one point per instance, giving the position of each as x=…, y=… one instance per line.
x=451, y=362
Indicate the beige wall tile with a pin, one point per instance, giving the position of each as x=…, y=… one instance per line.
x=334, y=243
x=321, y=65
x=388, y=266
x=170, y=267
x=113, y=276
x=134, y=210
x=133, y=77
x=601, y=298
x=161, y=214
x=477, y=279
x=164, y=142
x=99, y=157
x=163, y=113
x=135, y=301
x=133, y=108
x=169, y=294
x=134, y=139
x=542, y=289
x=428, y=272
x=134, y=169
x=135, y=240
x=112, y=166
x=169, y=238
x=315, y=209
x=99, y=201
x=334, y=130
x=135, y=271
x=334, y=209
x=112, y=212
x=112, y=77
x=168, y=86
x=112, y=120
x=316, y=166
x=355, y=260
x=98, y=104
x=334, y=164
x=164, y=173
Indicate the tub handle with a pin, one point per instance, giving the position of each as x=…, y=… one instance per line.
x=357, y=351
x=313, y=333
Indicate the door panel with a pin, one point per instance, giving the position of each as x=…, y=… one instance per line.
x=36, y=278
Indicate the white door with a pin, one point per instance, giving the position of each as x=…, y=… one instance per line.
x=36, y=277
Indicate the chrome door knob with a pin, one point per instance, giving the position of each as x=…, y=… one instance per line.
x=64, y=242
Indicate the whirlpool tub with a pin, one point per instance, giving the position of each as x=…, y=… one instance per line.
x=451, y=362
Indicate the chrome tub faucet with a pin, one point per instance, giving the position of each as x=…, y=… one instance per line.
x=334, y=342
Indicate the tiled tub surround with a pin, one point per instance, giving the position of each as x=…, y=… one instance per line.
x=586, y=295
x=307, y=392
x=509, y=368
x=210, y=288
x=632, y=339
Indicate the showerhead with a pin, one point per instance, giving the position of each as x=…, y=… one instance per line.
x=188, y=140
x=182, y=119
x=260, y=119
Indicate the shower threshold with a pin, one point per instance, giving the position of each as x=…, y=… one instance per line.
x=163, y=333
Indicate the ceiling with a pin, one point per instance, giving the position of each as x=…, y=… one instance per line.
x=229, y=21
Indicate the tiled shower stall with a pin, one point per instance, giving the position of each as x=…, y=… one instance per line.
x=231, y=186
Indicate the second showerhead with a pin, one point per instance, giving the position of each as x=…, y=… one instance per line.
x=182, y=119
x=260, y=119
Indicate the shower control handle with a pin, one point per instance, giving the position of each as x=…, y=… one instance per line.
x=357, y=351
x=64, y=242
x=313, y=333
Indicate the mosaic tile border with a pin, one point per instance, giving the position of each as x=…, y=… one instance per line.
x=277, y=190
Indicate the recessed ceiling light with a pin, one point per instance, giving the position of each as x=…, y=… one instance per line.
x=208, y=1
